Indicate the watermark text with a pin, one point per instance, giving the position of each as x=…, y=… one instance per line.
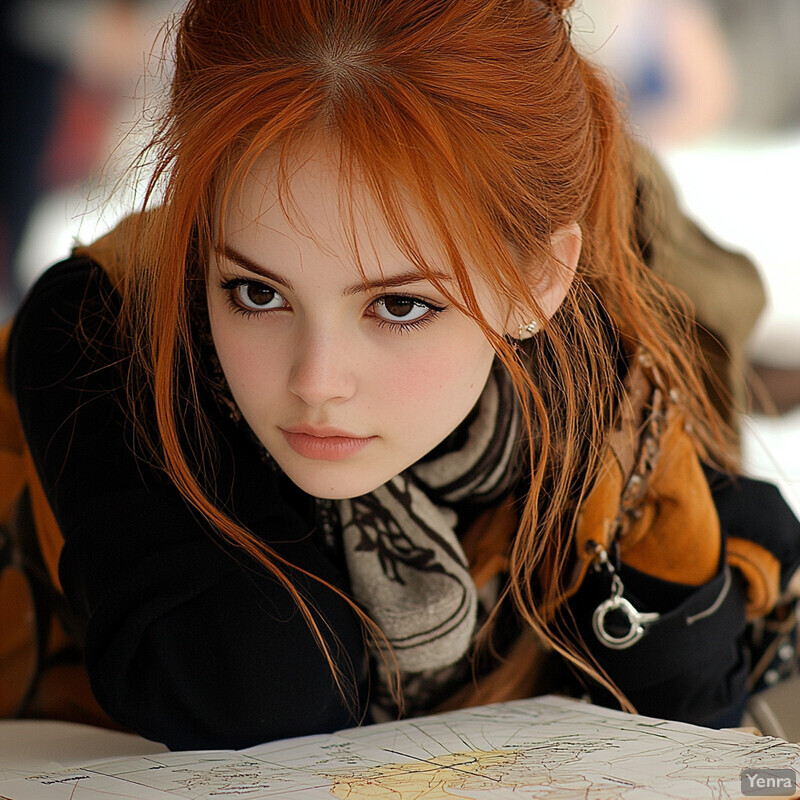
x=768, y=782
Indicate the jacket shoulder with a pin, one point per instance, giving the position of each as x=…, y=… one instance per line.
x=71, y=305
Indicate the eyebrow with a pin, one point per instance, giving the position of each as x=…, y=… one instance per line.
x=391, y=282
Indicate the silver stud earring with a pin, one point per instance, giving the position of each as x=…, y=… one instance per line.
x=530, y=330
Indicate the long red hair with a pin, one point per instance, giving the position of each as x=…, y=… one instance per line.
x=483, y=113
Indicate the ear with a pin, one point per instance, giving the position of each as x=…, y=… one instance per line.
x=551, y=281
x=565, y=244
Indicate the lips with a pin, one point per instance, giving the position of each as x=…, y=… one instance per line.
x=324, y=443
x=322, y=432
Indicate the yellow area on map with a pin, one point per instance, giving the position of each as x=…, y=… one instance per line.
x=432, y=779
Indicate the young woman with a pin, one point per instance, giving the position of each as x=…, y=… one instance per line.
x=375, y=408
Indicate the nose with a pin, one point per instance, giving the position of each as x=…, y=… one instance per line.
x=322, y=370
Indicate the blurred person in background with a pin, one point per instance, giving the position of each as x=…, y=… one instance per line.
x=672, y=61
x=68, y=69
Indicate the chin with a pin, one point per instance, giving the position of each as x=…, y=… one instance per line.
x=333, y=487
x=328, y=492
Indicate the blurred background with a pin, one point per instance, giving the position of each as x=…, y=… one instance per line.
x=74, y=79
x=712, y=86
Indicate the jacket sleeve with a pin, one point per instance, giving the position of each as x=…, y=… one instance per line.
x=186, y=641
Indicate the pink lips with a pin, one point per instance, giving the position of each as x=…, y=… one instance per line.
x=324, y=444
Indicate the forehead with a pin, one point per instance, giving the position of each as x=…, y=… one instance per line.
x=305, y=202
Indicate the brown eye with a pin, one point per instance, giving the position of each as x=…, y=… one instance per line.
x=258, y=296
x=399, y=308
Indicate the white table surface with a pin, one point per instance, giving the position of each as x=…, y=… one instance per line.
x=30, y=745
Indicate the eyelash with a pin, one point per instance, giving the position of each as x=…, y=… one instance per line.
x=231, y=285
x=412, y=325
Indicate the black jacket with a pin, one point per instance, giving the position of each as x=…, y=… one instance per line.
x=186, y=642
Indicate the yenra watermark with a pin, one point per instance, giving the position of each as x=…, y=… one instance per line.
x=768, y=782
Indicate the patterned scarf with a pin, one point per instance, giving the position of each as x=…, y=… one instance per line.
x=407, y=567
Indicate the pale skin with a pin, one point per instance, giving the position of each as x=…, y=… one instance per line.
x=346, y=385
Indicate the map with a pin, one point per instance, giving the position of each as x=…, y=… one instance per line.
x=544, y=747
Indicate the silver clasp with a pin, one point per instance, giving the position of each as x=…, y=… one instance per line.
x=637, y=620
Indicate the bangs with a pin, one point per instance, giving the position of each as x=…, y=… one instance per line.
x=430, y=208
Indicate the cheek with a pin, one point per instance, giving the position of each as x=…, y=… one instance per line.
x=252, y=368
x=440, y=382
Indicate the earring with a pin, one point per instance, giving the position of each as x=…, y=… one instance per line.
x=530, y=330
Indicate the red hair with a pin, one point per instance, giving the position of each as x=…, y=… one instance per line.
x=485, y=115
